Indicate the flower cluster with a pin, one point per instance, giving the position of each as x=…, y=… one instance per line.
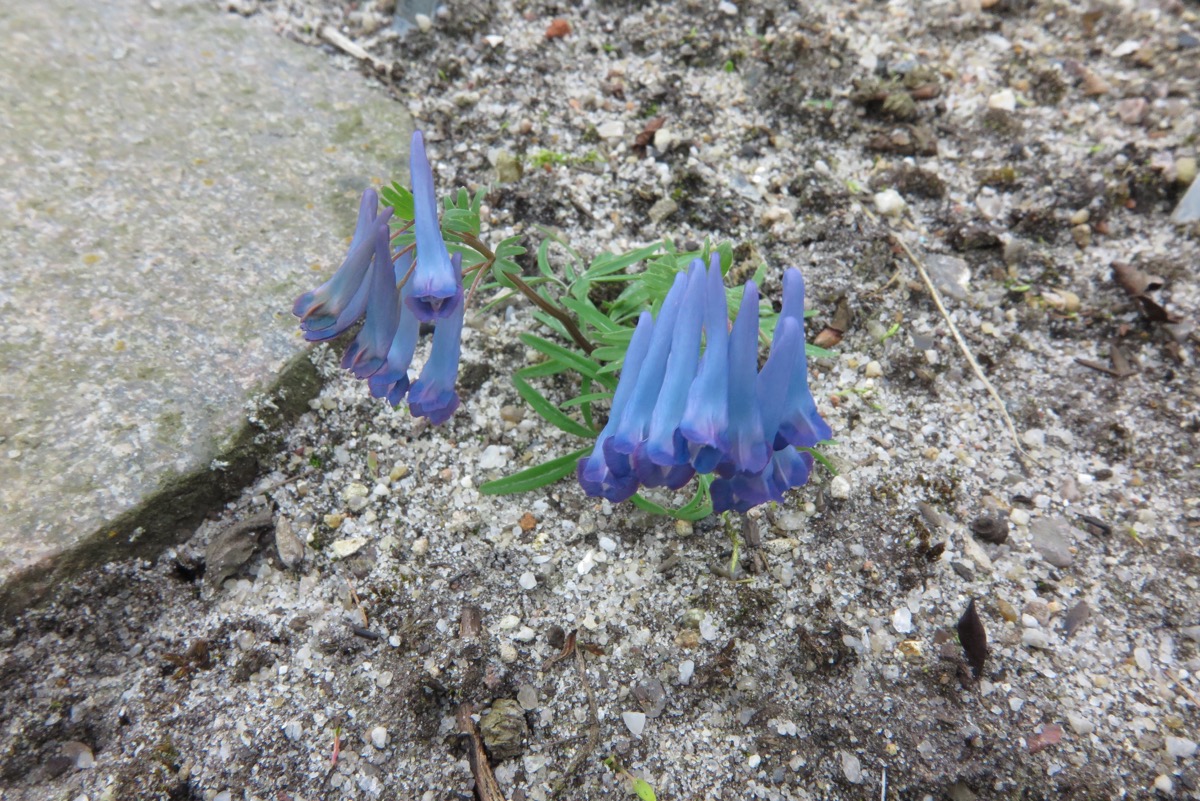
x=393, y=293
x=691, y=399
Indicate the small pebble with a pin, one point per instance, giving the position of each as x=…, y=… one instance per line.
x=851, y=767
x=635, y=722
x=527, y=580
x=889, y=203
x=420, y=546
x=379, y=737
x=1180, y=747
x=687, y=669
x=1005, y=100
x=527, y=697
x=873, y=369
x=902, y=620
x=1164, y=784
x=839, y=488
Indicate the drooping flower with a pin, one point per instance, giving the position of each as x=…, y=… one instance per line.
x=337, y=304
x=391, y=381
x=393, y=296
x=706, y=414
x=368, y=352
x=680, y=409
x=595, y=475
x=433, y=394
x=801, y=425
x=437, y=285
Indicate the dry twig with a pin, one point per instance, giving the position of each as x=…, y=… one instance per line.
x=593, y=734
x=962, y=346
x=486, y=787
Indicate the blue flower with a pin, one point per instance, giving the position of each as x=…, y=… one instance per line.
x=706, y=413
x=678, y=410
x=368, y=352
x=437, y=285
x=595, y=475
x=337, y=304
x=801, y=424
x=433, y=394
x=391, y=381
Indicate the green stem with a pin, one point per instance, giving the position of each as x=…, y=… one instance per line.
x=549, y=308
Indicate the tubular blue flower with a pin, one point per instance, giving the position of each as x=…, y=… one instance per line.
x=593, y=471
x=801, y=424
x=635, y=417
x=337, y=304
x=391, y=381
x=774, y=379
x=748, y=451
x=433, y=394
x=437, y=285
x=706, y=413
x=368, y=353
x=665, y=446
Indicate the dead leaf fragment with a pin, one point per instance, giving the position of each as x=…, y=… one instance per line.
x=558, y=28
x=1135, y=282
x=1050, y=735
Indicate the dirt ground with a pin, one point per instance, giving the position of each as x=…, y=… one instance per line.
x=317, y=638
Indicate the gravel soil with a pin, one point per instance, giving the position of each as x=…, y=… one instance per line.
x=316, y=639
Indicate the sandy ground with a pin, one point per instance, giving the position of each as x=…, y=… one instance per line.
x=1035, y=150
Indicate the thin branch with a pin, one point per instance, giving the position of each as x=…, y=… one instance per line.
x=593, y=735
x=962, y=346
x=537, y=300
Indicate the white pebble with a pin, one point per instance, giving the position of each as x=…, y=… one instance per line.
x=873, y=369
x=1019, y=517
x=379, y=737
x=493, y=457
x=635, y=722
x=293, y=730
x=708, y=628
x=586, y=564
x=508, y=623
x=852, y=767
x=754, y=761
x=839, y=488
x=687, y=669
x=613, y=129
x=889, y=203
x=727, y=8
x=527, y=581
x=902, y=620
x=1015, y=704
x=344, y=548
x=1035, y=638
x=508, y=652
x=1181, y=747
x=1079, y=724
x=608, y=544
x=525, y=634
x=1004, y=100
x=1164, y=784
x=420, y=546
x=423, y=22
x=1142, y=657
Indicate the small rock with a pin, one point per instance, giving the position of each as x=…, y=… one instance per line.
x=347, y=547
x=524, y=634
x=508, y=652
x=776, y=214
x=1079, y=724
x=990, y=204
x=420, y=546
x=1049, y=536
x=635, y=722
x=1185, y=170
x=889, y=203
x=293, y=730
x=839, y=488
x=687, y=668
x=1035, y=638
x=664, y=139
x=527, y=697
x=613, y=129
x=287, y=544
x=662, y=209
x=527, y=580
x=1141, y=657
x=424, y=22
x=990, y=528
x=509, y=168
x=851, y=767
x=1080, y=217
x=1180, y=747
x=651, y=697
x=950, y=274
x=1133, y=110
x=873, y=369
x=1093, y=85
x=493, y=458
x=1082, y=234
x=902, y=620
x=1188, y=209
x=503, y=728
x=1005, y=100
x=379, y=737
x=1163, y=784
x=727, y=8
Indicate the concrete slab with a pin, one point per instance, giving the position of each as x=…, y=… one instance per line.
x=170, y=178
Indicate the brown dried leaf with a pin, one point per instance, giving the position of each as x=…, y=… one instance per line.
x=643, y=139
x=973, y=638
x=1134, y=281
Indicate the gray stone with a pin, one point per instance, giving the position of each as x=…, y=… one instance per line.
x=662, y=209
x=1051, y=538
x=174, y=176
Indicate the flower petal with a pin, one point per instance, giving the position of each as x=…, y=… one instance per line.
x=437, y=285
x=433, y=394
x=369, y=350
x=391, y=381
